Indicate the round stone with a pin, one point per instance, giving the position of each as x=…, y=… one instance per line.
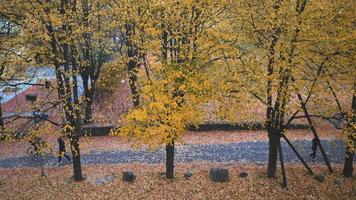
x=338, y=181
x=128, y=176
x=319, y=178
x=243, y=174
x=188, y=175
x=219, y=174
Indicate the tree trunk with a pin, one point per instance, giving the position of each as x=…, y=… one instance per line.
x=88, y=111
x=132, y=65
x=77, y=169
x=348, y=168
x=170, y=160
x=88, y=103
x=350, y=146
x=133, y=85
x=284, y=176
x=313, y=130
x=272, y=153
x=1, y=119
x=88, y=97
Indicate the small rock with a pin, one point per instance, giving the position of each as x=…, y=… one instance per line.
x=69, y=180
x=243, y=174
x=103, y=180
x=128, y=176
x=219, y=174
x=319, y=178
x=188, y=175
x=338, y=181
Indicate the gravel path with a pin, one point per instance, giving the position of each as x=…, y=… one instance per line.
x=242, y=152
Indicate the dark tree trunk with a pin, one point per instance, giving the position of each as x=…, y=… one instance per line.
x=65, y=94
x=297, y=153
x=133, y=64
x=284, y=176
x=133, y=84
x=170, y=161
x=91, y=70
x=350, y=146
x=313, y=130
x=348, y=168
x=88, y=112
x=77, y=169
x=75, y=120
x=1, y=119
x=88, y=94
x=272, y=153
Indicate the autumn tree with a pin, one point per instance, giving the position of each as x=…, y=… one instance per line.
x=351, y=139
x=284, y=38
x=68, y=36
x=133, y=27
x=178, y=79
x=8, y=50
x=8, y=54
x=95, y=48
x=272, y=27
x=333, y=49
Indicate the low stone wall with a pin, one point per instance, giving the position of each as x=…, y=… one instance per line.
x=96, y=130
x=241, y=126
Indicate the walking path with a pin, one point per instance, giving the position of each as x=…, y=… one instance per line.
x=242, y=152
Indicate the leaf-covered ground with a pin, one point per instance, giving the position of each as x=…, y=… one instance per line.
x=26, y=183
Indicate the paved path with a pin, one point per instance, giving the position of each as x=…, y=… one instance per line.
x=242, y=152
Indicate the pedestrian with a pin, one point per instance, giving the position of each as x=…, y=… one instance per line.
x=314, y=149
x=36, y=143
x=62, y=150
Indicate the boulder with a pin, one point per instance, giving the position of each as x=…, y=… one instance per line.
x=219, y=174
x=319, y=178
x=188, y=175
x=338, y=181
x=128, y=176
x=98, y=181
x=243, y=174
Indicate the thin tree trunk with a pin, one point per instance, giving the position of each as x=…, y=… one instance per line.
x=170, y=161
x=350, y=146
x=86, y=71
x=133, y=84
x=88, y=101
x=88, y=111
x=76, y=123
x=272, y=153
x=65, y=93
x=132, y=65
x=1, y=119
x=348, y=168
x=312, y=128
x=282, y=163
x=298, y=155
x=74, y=143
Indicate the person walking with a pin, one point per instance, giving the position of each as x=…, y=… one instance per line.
x=62, y=150
x=36, y=143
